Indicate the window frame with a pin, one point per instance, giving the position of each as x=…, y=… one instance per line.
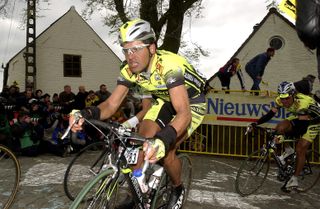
x=72, y=65
x=276, y=45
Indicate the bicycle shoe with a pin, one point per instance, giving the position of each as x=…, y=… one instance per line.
x=293, y=182
x=291, y=185
x=177, y=197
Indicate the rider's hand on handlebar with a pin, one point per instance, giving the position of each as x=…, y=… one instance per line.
x=278, y=139
x=250, y=127
x=154, y=150
x=76, y=120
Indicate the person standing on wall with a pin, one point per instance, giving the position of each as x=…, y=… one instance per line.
x=226, y=72
x=256, y=67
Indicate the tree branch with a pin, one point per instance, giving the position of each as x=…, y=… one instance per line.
x=120, y=9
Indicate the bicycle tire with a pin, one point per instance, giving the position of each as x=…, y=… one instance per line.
x=311, y=172
x=103, y=189
x=252, y=172
x=162, y=195
x=10, y=174
x=78, y=172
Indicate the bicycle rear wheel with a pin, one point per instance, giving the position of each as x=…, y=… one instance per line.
x=252, y=172
x=162, y=196
x=83, y=167
x=100, y=192
x=311, y=172
x=10, y=174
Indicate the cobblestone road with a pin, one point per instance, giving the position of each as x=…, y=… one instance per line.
x=212, y=186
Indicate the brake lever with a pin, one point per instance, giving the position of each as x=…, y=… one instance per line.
x=77, y=116
x=249, y=129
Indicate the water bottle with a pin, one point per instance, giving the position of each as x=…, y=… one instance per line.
x=155, y=177
x=140, y=176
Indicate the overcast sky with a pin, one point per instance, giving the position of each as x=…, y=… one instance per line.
x=225, y=25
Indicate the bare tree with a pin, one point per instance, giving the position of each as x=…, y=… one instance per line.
x=3, y=8
x=272, y=4
x=166, y=16
x=3, y=3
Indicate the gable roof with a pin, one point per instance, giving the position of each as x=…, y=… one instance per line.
x=259, y=25
x=72, y=8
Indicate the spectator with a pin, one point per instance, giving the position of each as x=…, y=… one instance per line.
x=92, y=99
x=67, y=98
x=55, y=99
x=103, y=93
x=81, y=98
x=5, y=130
x=305, y=85
x=13, y=95
x=23, y=100
x=23, y=132
x=38, y=94
x=226, y=72
x=256, y=67
x=48, y=110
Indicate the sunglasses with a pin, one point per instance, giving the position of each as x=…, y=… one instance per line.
x=134, y=49
x=287, y=98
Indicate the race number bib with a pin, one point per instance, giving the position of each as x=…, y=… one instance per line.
x=132, y=155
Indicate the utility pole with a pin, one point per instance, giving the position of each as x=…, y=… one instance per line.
x=30, y=54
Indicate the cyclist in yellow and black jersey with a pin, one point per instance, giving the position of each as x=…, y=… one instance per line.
x=178, y=105
x=167, y=70
x=300, y=124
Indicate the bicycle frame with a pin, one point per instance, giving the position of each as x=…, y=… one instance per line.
x=271, y=147
x=254, y=170
x=117, y=148
x=134, y=186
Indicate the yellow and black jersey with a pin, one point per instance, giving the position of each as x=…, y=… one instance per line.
x=168, y=70
x=302, y=105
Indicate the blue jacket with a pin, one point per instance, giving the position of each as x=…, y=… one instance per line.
x=257, y=64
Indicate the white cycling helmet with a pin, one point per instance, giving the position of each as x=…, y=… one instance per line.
x=136, y=30
x=286, y=89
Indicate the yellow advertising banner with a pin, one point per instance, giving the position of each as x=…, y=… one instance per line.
x=239, y=109
x=288, y=7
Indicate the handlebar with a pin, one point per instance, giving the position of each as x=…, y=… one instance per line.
x=115, y=128
x=265, y=129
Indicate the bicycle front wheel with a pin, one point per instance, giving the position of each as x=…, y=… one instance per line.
x=252, y=172
x=162, y=196
x=9, y=177
x=311, y=171
x=100, y=192
x=83, y=167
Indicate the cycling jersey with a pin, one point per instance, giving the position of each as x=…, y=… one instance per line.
x=302, y=105
x=168, y=70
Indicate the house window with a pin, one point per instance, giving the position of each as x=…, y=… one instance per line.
x=71, y=65
x=276, y=42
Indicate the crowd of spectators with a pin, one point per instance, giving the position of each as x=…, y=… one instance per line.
x=32, y=122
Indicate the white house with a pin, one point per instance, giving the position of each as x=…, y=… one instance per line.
x=69, y=52
x=292, y=59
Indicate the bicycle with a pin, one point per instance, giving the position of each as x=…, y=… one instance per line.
x=254, y=170
x=111, y=174
x=10, y=173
